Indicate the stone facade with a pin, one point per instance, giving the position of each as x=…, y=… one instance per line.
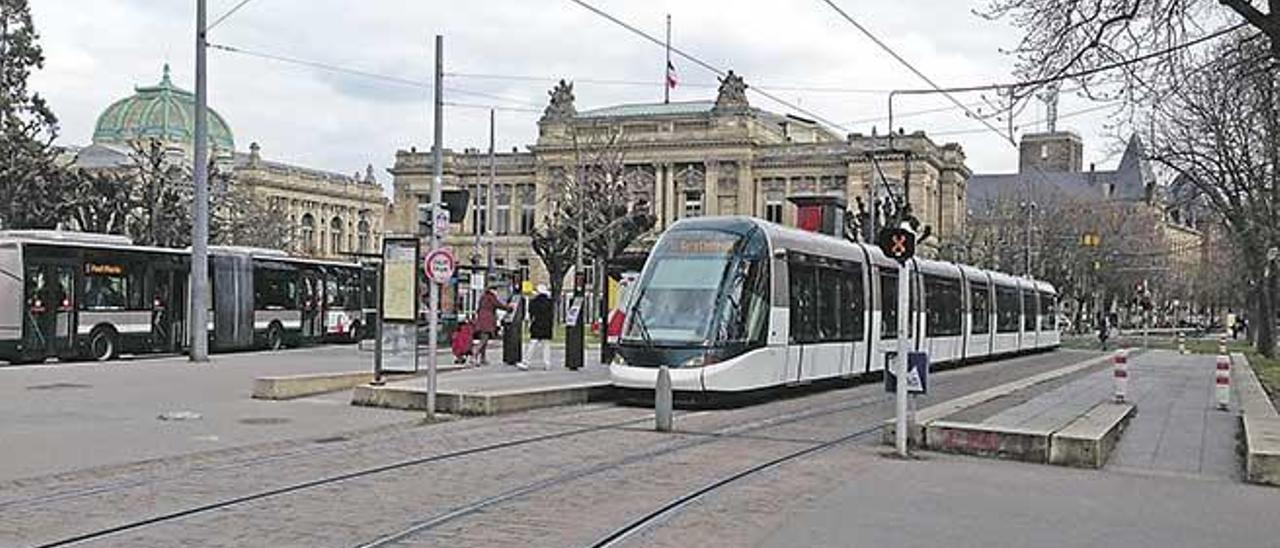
x=333, y=215
x=721, y=157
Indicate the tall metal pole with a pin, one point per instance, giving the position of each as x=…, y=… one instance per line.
x=200, y=222
x=492, y=196
x=437, y=180
x=666, y=69
x=904, y=346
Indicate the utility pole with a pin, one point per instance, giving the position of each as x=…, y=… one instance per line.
x=200, y=224
x=492, y=196
x=437, y=180
x=666, y=69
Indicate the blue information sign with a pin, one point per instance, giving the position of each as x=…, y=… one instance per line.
x=917, y=375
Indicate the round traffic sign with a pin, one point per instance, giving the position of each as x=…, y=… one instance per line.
x=440, y=265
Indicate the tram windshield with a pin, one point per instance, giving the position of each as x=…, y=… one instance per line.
x=701, y=287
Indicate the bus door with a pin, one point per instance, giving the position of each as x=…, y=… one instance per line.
x=49, y=323
x=168, y=310
x=312, y=305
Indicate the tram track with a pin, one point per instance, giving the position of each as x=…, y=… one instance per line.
x=699, y=439
x=320, y=450
x=435, y=521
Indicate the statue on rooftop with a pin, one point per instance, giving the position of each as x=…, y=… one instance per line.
x=561, y=106
x=733, y=93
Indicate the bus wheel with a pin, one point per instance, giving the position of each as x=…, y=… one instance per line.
x=275, y=337
x=102, y=344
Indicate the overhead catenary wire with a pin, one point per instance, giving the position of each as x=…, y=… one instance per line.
x=228, y=13
x=421, y=84
x=813, y=88
x=707, y=66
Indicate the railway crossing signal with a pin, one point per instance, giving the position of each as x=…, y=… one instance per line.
x=898, y=243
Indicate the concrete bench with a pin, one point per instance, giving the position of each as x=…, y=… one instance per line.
x=1260, y=422
x=287, y=387
x=988, y=441
x=483, y=403
x=1087, y=441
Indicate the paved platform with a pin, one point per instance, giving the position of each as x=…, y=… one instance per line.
x=1173, y=428
x=492, y=390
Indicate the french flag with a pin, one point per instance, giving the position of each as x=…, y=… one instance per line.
x=671, y=75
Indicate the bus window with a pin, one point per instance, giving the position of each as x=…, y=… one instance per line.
x=111, y=287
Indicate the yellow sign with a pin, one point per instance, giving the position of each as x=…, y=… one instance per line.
x=103, y=269
x=399, y=283
x=526, y=287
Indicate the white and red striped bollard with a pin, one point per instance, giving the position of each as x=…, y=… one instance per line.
x=1121, y=375
x=1182, y=343
x=1222, y=344
x=1222, y=381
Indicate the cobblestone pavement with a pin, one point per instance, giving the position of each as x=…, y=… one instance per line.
x=570, y=490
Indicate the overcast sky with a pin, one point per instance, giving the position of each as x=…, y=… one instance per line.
x=98, y=50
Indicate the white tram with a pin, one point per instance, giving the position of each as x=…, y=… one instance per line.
x=733, y=304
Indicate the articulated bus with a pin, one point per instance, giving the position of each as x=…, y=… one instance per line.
x=72, y=295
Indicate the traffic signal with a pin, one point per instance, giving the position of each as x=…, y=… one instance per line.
x=898, y=243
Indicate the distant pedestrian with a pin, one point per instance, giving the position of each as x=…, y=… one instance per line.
x=1104, y=330
x=541, y=312
x=487, y=321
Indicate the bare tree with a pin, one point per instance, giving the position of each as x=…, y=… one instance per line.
x=610, y=200
x=1220, y=130
x=1063, y=37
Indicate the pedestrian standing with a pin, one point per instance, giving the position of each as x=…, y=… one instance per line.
x=1104, y=328
x=541, y=312
x=487, y=320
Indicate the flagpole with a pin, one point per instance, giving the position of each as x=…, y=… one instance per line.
x=666, y=69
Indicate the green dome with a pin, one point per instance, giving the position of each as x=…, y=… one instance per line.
x=163, y=112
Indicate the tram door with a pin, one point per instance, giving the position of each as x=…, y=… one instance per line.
x=168, y=308
x=50, y=296
x=312, y=305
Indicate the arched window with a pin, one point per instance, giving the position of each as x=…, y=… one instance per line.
x=363, y=231
x=335, y=238
x=308, y=233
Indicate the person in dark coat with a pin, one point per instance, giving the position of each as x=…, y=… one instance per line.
x=486, y=326
x=541, y=313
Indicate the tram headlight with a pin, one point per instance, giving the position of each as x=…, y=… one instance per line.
x=696, y=361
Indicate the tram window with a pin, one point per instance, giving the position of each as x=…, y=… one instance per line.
x=1048, y=311
x=1029, y=310
x=745, y=307
x=942, y=306
x=804, y=303
x=831, y=298
x=1008, y=311
x=853, y=305
x=980, y=308
x=888, y=305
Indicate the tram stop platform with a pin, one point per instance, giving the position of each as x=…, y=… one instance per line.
x=492, y=390
x=1169, y=423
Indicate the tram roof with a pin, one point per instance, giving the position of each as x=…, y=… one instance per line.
x=792, y=238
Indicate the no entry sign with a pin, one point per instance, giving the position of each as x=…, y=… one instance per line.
x=440, y=265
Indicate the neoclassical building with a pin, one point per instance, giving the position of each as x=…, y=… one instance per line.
x=333, y=215
x=712, y=157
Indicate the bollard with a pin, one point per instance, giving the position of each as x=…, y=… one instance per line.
x=1222, y=381
x=1182, y=343
x=1222, y=344
x=662, y=400
x=1121, y=375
